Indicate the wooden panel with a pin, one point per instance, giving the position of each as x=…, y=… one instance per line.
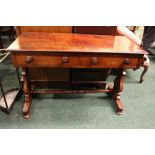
x=107, y=61
x=50, y=84
x=49, y=74
x=18, y=31
x=75, y=60
x=45, y=60
x=58, y=29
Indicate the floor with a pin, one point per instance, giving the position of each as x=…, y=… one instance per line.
x=88, y=111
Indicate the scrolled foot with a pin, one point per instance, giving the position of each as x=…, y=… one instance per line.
x=141, y=80
x=142, y=75
x=119, y=107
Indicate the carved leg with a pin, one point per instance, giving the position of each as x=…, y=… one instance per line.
x=146, y=64
x=142, y=75
x=27, y=94
x=117, y=90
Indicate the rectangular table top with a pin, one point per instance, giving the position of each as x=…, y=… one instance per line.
x=70, y=42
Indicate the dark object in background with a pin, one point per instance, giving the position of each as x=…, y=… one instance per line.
x=149, y=39
x=98, y=30
x=7, y=31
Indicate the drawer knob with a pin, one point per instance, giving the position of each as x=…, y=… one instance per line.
x=126, y=61
x=65, y=60
x=94, y=60
x=28, y=59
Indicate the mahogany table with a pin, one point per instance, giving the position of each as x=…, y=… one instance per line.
x=33, y=50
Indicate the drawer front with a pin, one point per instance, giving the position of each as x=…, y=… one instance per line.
x=45, y=60
x=108, y=61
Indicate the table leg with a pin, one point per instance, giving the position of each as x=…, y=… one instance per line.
x=27, y=95
x=146, y=64
x=144, y=71
x=117, y=90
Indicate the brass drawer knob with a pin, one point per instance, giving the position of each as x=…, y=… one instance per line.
x=127, y=61
x=65, y=60
x=29, y=59
x=94, y=60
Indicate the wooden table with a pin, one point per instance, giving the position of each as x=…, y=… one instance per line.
x=33, y=50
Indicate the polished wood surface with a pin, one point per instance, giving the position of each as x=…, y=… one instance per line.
x=65, y=51
x=61, y=42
